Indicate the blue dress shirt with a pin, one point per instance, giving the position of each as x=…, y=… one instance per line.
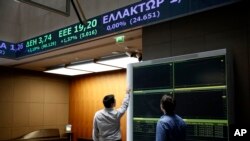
x=170, y=128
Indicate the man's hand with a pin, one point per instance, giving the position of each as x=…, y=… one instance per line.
x=128, y=91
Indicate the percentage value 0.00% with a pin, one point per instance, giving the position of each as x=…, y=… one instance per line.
x=116, y=25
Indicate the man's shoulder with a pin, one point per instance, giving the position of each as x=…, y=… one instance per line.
x=165, y=118
x=178, y=117
x=98, y=112
x=170, y=118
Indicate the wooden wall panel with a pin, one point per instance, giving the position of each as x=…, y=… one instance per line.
x=31, y=101
x=86, y=94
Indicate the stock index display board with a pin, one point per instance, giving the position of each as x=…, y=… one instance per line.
x=139, y=14
x=199, y=87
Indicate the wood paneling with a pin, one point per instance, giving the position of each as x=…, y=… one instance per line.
x=30, y=101
x=86, y=95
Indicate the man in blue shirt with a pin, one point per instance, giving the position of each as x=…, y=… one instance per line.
x=170, y=126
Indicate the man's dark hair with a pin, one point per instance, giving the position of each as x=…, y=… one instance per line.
x=168, y=104
x=108, y=100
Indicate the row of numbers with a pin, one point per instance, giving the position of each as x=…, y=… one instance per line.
x=88, y=34
x=145, y=17
x=38, y=41
x=83, y=28
x=69, y=31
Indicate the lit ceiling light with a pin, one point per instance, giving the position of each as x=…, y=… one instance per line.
x=109, y=63
x=121, y=62
x=66, y=71
x=93, y=67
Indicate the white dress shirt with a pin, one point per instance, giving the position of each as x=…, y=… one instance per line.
x=106, y=125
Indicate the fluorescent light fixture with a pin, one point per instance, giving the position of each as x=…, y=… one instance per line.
x=121, y=62
x=66, y=71
x=105, y=64
x=93, y=67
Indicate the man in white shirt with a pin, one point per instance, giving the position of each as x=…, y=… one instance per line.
x=106, y=125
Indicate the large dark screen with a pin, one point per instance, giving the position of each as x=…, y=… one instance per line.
x=148, y=105
x=199, y=88
x=201, y=104
x=200, y=72
x=153, y=77
x=144, y=130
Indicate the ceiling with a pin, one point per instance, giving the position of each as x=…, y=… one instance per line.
x=92, y=49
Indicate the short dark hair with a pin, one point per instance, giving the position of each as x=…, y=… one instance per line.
x=108, y=100
x=168, y=104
